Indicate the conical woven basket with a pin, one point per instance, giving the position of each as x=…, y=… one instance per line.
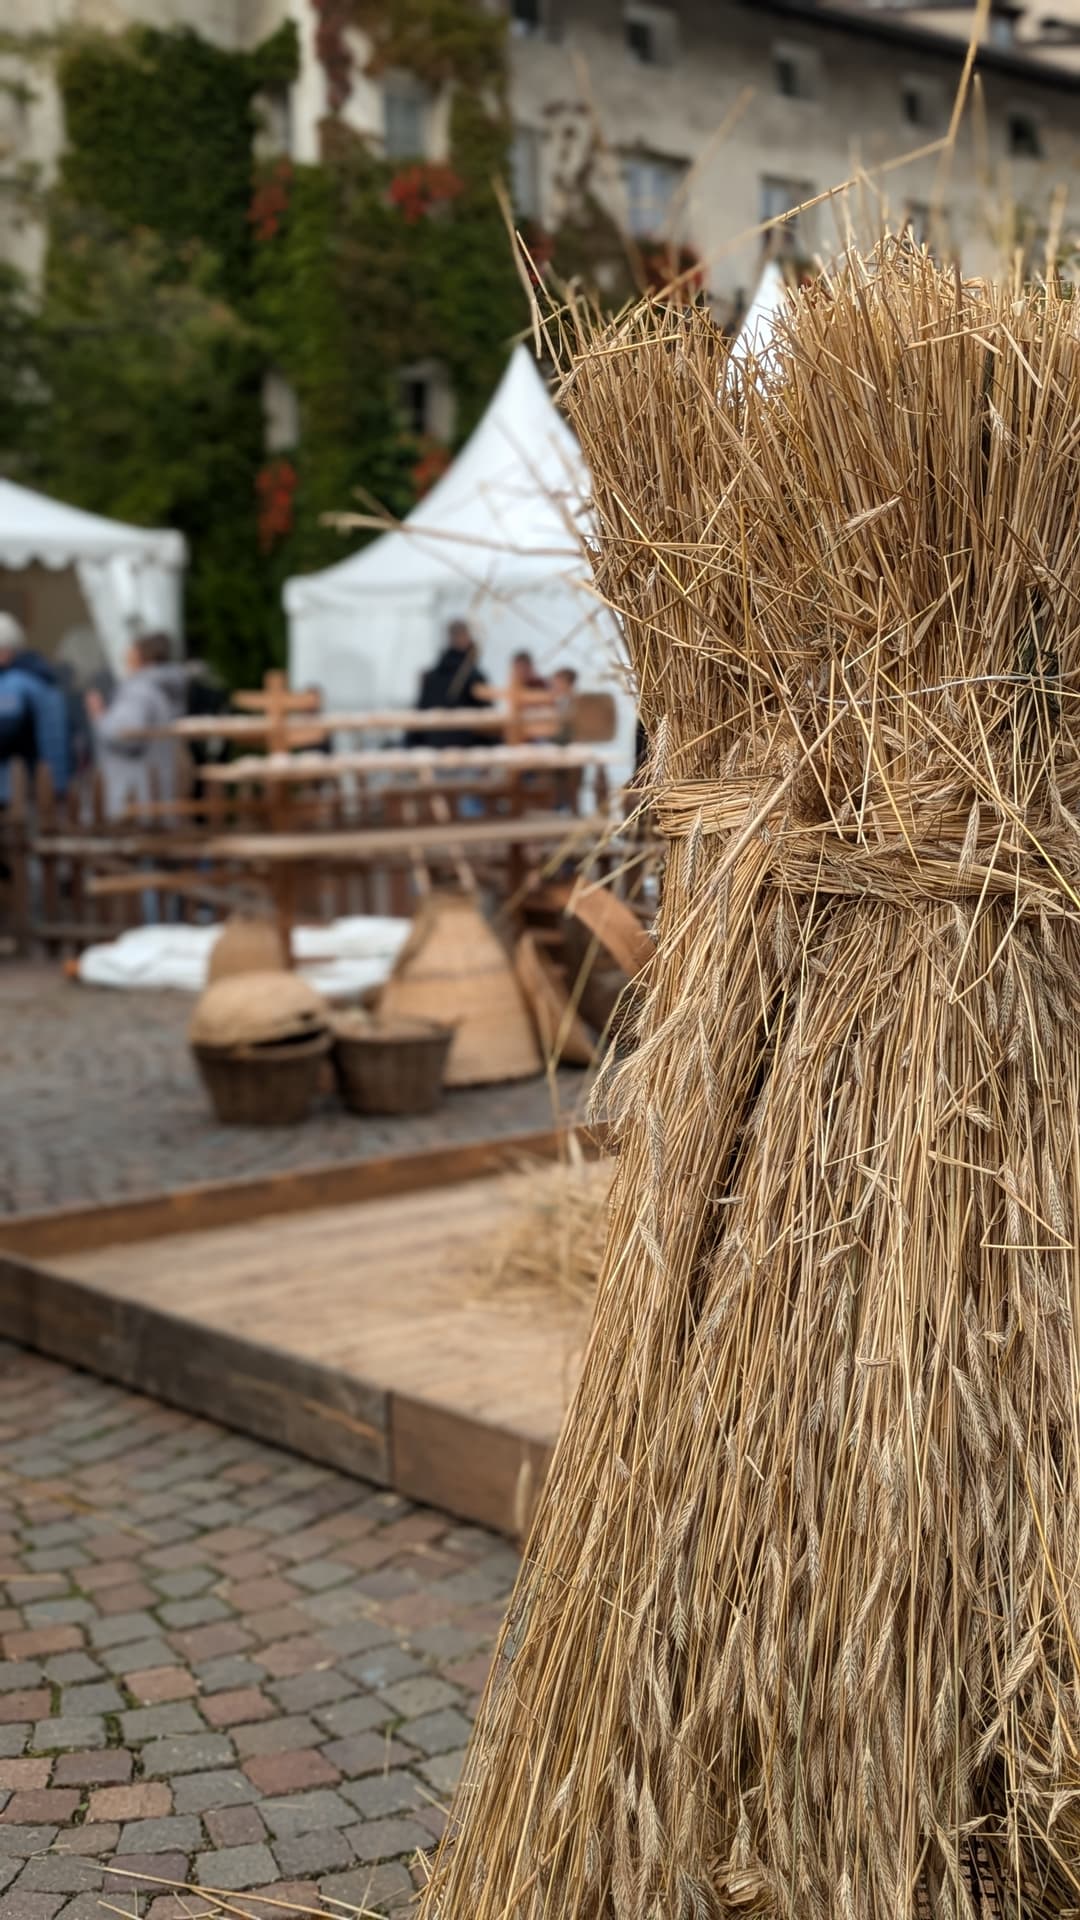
x=454, y=970
x=245, y=945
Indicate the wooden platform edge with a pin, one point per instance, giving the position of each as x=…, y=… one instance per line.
x=225, y=1203
x=292, y=1403
x=487, y=1475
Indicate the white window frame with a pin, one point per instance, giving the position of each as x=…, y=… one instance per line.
x=776, y=194
x=931, y=95
x=662, y=25
x=406, y=90
x=437, y=422
x=526, y=179
x=649, y=202
x=806, y=64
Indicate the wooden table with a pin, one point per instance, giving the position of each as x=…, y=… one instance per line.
x=300, y=767
x=284, y=855
x=241, y=726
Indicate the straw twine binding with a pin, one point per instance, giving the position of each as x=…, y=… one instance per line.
x=932, y=841
x=797, y=1633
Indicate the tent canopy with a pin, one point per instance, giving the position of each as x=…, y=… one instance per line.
x=35, y=528
x=498, y=541
x=130, y=576
x=503, y=513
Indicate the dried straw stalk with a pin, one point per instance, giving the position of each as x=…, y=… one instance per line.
x=797, y=1633
x=553, y=1241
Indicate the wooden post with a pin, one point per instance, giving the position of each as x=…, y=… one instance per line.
x=19, y=856
x=46, y=822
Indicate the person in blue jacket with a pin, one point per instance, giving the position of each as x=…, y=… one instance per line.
x=34, y=715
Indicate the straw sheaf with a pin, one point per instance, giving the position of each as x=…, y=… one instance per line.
x=797, y=1635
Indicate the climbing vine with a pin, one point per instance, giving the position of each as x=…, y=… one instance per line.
x=183, y=270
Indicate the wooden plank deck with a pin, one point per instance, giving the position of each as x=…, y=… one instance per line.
x=366, y=1334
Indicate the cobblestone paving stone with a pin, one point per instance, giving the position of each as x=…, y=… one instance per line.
x=141, y=1122
x=222, y=1666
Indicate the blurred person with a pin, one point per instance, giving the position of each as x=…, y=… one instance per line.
x=34, y=718
x=455, y=681
x=153, y=694
x=564, y=692
x=523, y=673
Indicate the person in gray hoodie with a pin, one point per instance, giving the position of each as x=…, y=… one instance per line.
x=153, y=694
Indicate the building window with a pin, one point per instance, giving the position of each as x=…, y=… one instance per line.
x=917, y=222
x=274, y=135
x=526, y=16
x=415, y=402
x=795, y=72
x=650, y=185
x=650, y=33
x=405, y=120
x=922, y=103
x=1025, y=135
x=426, y=401
x=281, y=413
x=525, y=172
x=779, y=195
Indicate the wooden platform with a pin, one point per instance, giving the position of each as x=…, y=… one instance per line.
x=345, y=1314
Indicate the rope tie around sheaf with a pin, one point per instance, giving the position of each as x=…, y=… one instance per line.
x=931, y=839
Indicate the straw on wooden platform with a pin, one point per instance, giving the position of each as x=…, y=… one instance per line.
x=797, y=1632
x=553, y=1241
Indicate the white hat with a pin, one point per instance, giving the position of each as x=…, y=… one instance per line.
x=12, y=634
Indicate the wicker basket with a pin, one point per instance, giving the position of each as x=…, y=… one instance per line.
x=396, y=1066
x=269, y=1086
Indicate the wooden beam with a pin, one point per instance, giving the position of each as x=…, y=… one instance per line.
x=414, y=760
x=222, y=1203
x=295, y=1403
x=371, y=842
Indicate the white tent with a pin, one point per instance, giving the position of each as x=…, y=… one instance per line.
x=130, y=577
x=755, y=336
x=498, y=541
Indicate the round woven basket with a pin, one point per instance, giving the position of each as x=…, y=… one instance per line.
x=263, y=1086
x=396, y=1066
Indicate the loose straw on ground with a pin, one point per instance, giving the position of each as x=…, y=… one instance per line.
x=797, y=1632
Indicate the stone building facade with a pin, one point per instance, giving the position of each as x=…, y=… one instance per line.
x=693, y=120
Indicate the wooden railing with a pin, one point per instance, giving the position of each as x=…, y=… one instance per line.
x=70, y=876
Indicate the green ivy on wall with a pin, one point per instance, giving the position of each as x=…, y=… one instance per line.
x=182, y=270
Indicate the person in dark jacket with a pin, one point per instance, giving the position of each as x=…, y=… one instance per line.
x=454, y=681
x=34, y=719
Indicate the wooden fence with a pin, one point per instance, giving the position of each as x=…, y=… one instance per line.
x=70, y=876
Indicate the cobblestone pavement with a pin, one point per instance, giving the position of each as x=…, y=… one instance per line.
x=140, y=1121
x=221, y=1665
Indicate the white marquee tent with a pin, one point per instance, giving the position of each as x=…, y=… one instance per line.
x=498, y=541
x=130, y=577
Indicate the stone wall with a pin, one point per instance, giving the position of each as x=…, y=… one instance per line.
x=577, y=79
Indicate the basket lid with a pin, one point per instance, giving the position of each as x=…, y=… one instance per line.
x=251, y=1009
